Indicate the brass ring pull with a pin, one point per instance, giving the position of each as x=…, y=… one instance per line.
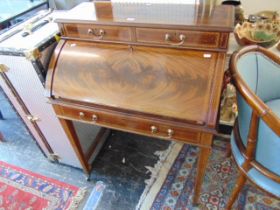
x=182, y=39
x=170, y=133
x=81, y=115
x=154, y=129
x=94, y=117
x=98, y=33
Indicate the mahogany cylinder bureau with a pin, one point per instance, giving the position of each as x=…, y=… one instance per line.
x=150, y=69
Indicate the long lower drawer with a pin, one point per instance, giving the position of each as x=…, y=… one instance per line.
x=130, y=123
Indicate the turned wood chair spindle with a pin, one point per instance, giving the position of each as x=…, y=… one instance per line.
x=255, y=140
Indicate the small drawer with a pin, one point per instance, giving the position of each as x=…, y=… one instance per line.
x=97, y=32
x=194, y=39
x=79, y=115
x=132, y=124
x=173, y=132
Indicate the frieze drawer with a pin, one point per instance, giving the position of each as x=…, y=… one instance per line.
x=183, y=38
x=127, y=122
x=97, y=32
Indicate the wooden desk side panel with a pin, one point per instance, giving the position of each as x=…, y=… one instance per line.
x=217, y=83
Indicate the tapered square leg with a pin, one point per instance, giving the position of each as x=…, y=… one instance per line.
x=228, y=150
x=74, y=140
x=201, y=165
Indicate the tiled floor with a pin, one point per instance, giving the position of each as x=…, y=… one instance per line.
x=120, y=164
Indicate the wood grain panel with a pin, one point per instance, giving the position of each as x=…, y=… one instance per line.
x=164, y=82
x=129, y=123
x=193, y=39
x=224, y=40
x=111, y=33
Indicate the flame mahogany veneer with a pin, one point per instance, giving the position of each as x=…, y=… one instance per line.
x=154, y=70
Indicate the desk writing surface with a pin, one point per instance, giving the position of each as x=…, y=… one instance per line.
x=166, y=82
x=170, y=15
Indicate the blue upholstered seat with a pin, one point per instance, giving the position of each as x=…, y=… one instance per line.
x=268, y=146
x=256, y=74
x=263, y=77
x=267, y=153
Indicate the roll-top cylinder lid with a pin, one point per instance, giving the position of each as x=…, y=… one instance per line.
x=161, y=81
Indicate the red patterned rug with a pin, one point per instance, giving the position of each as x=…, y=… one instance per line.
x=22, y=189
x=175, y=190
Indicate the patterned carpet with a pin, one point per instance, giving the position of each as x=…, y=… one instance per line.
x=176, y=191
x=22, y=189
x=124, y=164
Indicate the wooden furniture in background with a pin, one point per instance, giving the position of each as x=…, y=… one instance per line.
x=151, y=69
x=255, y=141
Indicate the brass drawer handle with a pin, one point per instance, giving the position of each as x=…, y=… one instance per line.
x=98, y=33
x=81, y=115
x=94, y=118
x=182, y=39
x=170, y=133
x=154, y=129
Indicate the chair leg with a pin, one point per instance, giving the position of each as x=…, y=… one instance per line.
x=1, y=137
x=228, y=150
x=238, y=186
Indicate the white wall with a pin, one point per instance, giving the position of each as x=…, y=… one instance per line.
x=253, y=6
